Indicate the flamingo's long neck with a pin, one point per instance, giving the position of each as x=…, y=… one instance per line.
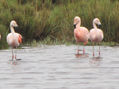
x=78, y=25
x=94, y=25
x=12, y=29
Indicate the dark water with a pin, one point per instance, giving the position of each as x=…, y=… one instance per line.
x=57, y=67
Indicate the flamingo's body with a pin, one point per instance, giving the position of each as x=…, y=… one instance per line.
x=13, y=39
x=81, y=34
x=96, y=34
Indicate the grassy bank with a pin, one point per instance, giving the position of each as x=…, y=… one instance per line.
x=49, y=41
x=41, y=20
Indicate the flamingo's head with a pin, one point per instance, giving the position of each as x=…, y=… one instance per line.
x=76, y=21
x=97, y=22
x=13, y=23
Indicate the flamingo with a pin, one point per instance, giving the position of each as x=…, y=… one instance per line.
x=81, y=34
x=96, y=34
x=13, y=39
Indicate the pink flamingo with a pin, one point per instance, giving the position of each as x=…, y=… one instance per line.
x=13, y=39
x=96, y=34
x=81, y=34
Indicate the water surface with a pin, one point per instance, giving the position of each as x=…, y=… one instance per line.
x=58, y=67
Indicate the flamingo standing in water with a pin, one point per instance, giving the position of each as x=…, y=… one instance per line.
x=81, y=34
x=96, y=34
x=13, y=39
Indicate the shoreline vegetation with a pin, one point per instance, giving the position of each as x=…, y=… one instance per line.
x=51, y=21
x=48, y=41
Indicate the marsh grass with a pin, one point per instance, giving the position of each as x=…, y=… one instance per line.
x=52, y=23
x=49, y=41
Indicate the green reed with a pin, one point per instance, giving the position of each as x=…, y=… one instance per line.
x=43, y=19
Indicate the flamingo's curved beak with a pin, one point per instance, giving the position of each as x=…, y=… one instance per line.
x=16, y=27
x=99, y=25
x=74, y=25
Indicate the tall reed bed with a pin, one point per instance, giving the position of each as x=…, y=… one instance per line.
x=42, y=19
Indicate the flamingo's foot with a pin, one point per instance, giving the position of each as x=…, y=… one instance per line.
x=93, y=54
x=12, y=57
x=83, y=51
x=78, y=51
x=14, y=62
x=15, y=57
x=99, y=53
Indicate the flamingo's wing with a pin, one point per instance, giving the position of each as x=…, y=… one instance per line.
x=101, y=35
x=92, y=34
x=19, y=38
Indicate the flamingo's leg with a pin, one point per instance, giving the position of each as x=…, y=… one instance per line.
x=12, y=54
x=84, y=49
x=78, y=50
x=14, y=61
x=99, y=49
x=93, y=50
x=15, y=54
x=77, y=47
x=13, y=57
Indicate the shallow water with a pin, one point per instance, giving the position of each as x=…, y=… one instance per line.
x=58, y=67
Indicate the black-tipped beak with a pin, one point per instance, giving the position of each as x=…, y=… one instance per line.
x=99, y=26
x=16, y=27
x=74, y=25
